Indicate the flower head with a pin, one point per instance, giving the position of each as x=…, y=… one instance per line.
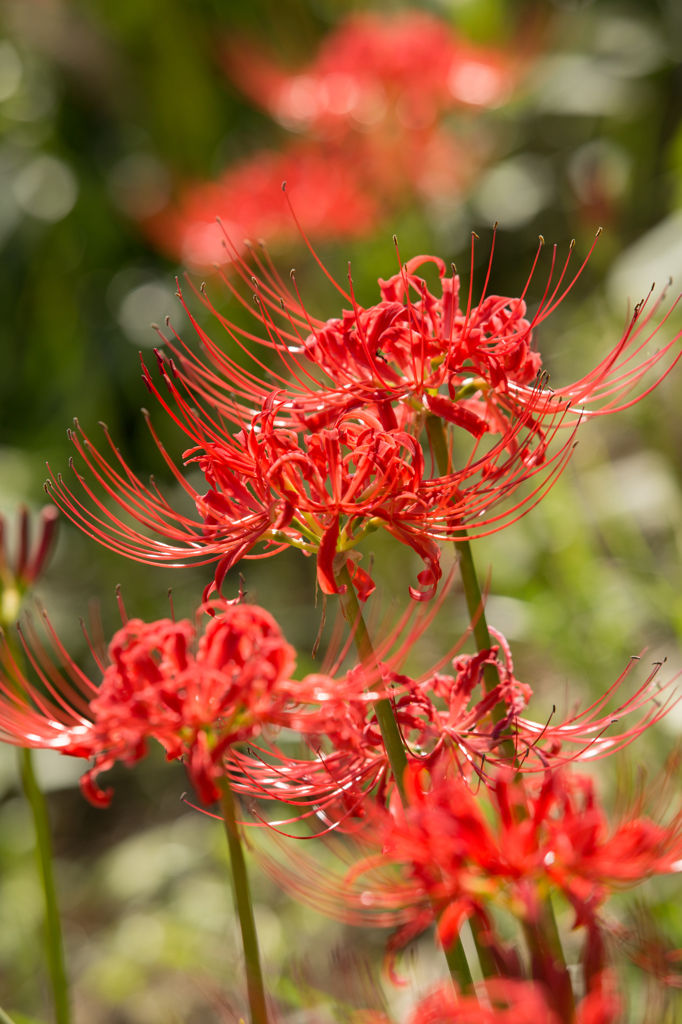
x=549, y=832
x=370, y=109
x=194, y=693
x=415, y=353
x=509, y=1002
x=348, y=437
x=451, y=726
x=323, y=493
x=512, y=1001
x=17, y=575
x=336, y=202
x=373, y=68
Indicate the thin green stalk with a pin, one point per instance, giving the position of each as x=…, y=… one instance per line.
x=393, y=742
x=5, y=1017
x=472, y=590
x=474, y=599
x=53, y=929
x=244, y=907
x=543, y=938
x=54, y=945
x=547, y=961
x=485, y=957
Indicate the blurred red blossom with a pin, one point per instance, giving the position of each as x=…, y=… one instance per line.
x=508, y=845
x=408, y=66
x=508, y=1002
x=511, y=1001
x=335, y=202
x=21, y=572
x=371, y=105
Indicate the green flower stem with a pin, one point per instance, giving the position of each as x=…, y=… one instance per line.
x=54, y=945
x=547, y=961
x=5, y=1017
x=242, y=898
x=393, y=742
x=53, y=929
x=543, y=936
x=474, y=599
x=486, y=959
x=472, y=590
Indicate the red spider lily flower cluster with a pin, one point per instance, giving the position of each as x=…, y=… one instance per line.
x=336, y=204
x=195, y=694
x=409, y=66
x=332, y=445
x=370, y=105
x=549, y=831
x=448, y=722
x=510, y=1001
x=414, y=352
x=201, y=695
x=459, y=854
x=427, y=415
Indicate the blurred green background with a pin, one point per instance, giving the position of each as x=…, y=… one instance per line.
x=106, y=111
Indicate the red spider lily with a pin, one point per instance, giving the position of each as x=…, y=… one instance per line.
x=448, y=725
x=390, y=78
x=389, y=369
x=18, y=575
x=335, y=203
x=549, y=833
x=347, y=787
x=516, y=1002
x=457, y=858
x=322, y=496
x=357, y=471
x=195, y=694
x=508, y=1002
x=411, y=357
x=372, y=68
x=264, y=486
x=345, y=190
x=415, y=353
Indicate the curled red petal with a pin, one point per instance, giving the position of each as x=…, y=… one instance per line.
x=92, y=792
x=363, y=583
x=458, y=414
x=325, y=559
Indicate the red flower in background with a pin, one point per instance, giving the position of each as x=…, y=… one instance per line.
x=547, y=832
x=508, y=1002
x=407, y=67
x=18, y=574
x=335, y=203
x=370, y=103
x=511, y=1001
